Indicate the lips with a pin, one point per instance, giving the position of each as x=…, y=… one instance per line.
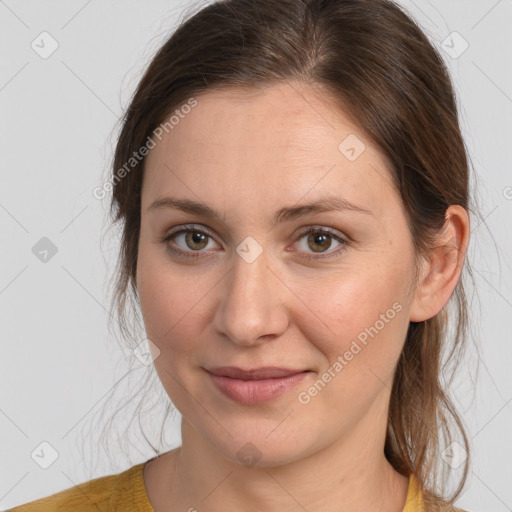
x=268, y=372
x=254, y=386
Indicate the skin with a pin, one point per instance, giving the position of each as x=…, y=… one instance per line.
x=247, y=153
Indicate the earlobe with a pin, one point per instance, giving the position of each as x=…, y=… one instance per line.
x=441, y=269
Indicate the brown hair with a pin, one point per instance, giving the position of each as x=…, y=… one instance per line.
x=378, y=64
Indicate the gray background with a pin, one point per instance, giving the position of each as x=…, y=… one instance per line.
x=59, y=116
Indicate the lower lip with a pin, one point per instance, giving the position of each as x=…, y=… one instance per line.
x=256, y=391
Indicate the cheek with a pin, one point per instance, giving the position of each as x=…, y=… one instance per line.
x=170, y=302
x=171, y=311
x=359, y=326
x=365, y=305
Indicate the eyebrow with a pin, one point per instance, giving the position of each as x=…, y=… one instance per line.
x=286, y=214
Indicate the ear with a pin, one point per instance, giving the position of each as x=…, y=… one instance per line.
x=441, y=269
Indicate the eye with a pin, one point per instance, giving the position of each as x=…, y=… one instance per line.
x=193, y=240
x=319, y=240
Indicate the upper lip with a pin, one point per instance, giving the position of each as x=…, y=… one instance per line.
x=267, y=372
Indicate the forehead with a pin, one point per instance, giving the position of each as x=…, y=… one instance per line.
x=287, y=138
x=282, y=116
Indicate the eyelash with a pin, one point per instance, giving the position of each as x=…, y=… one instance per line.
x=312, y=229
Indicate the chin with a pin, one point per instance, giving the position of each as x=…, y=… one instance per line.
x=263, y=447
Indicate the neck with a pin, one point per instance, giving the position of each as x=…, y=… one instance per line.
x=351, y=474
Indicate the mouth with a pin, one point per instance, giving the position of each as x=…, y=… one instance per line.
x=257, y=385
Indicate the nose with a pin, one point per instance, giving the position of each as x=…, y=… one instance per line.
x=251, y=310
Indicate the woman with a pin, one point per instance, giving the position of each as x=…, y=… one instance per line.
x=293, y=191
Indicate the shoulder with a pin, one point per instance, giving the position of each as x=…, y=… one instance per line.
x=98, y=494
x=419, y=500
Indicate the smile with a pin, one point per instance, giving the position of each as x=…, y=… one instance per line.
x=255, y=386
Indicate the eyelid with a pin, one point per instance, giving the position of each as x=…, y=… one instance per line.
x=183, y=229
x=334, y=233
x=324, y=229
x=342, y=239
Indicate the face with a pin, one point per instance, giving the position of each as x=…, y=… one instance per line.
x=248, y=288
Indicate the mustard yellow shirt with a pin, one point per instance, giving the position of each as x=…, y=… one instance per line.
x=125, y=492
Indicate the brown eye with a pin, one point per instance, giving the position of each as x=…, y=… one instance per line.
x=188, y=241
x=196, y=240
x=319, y=242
